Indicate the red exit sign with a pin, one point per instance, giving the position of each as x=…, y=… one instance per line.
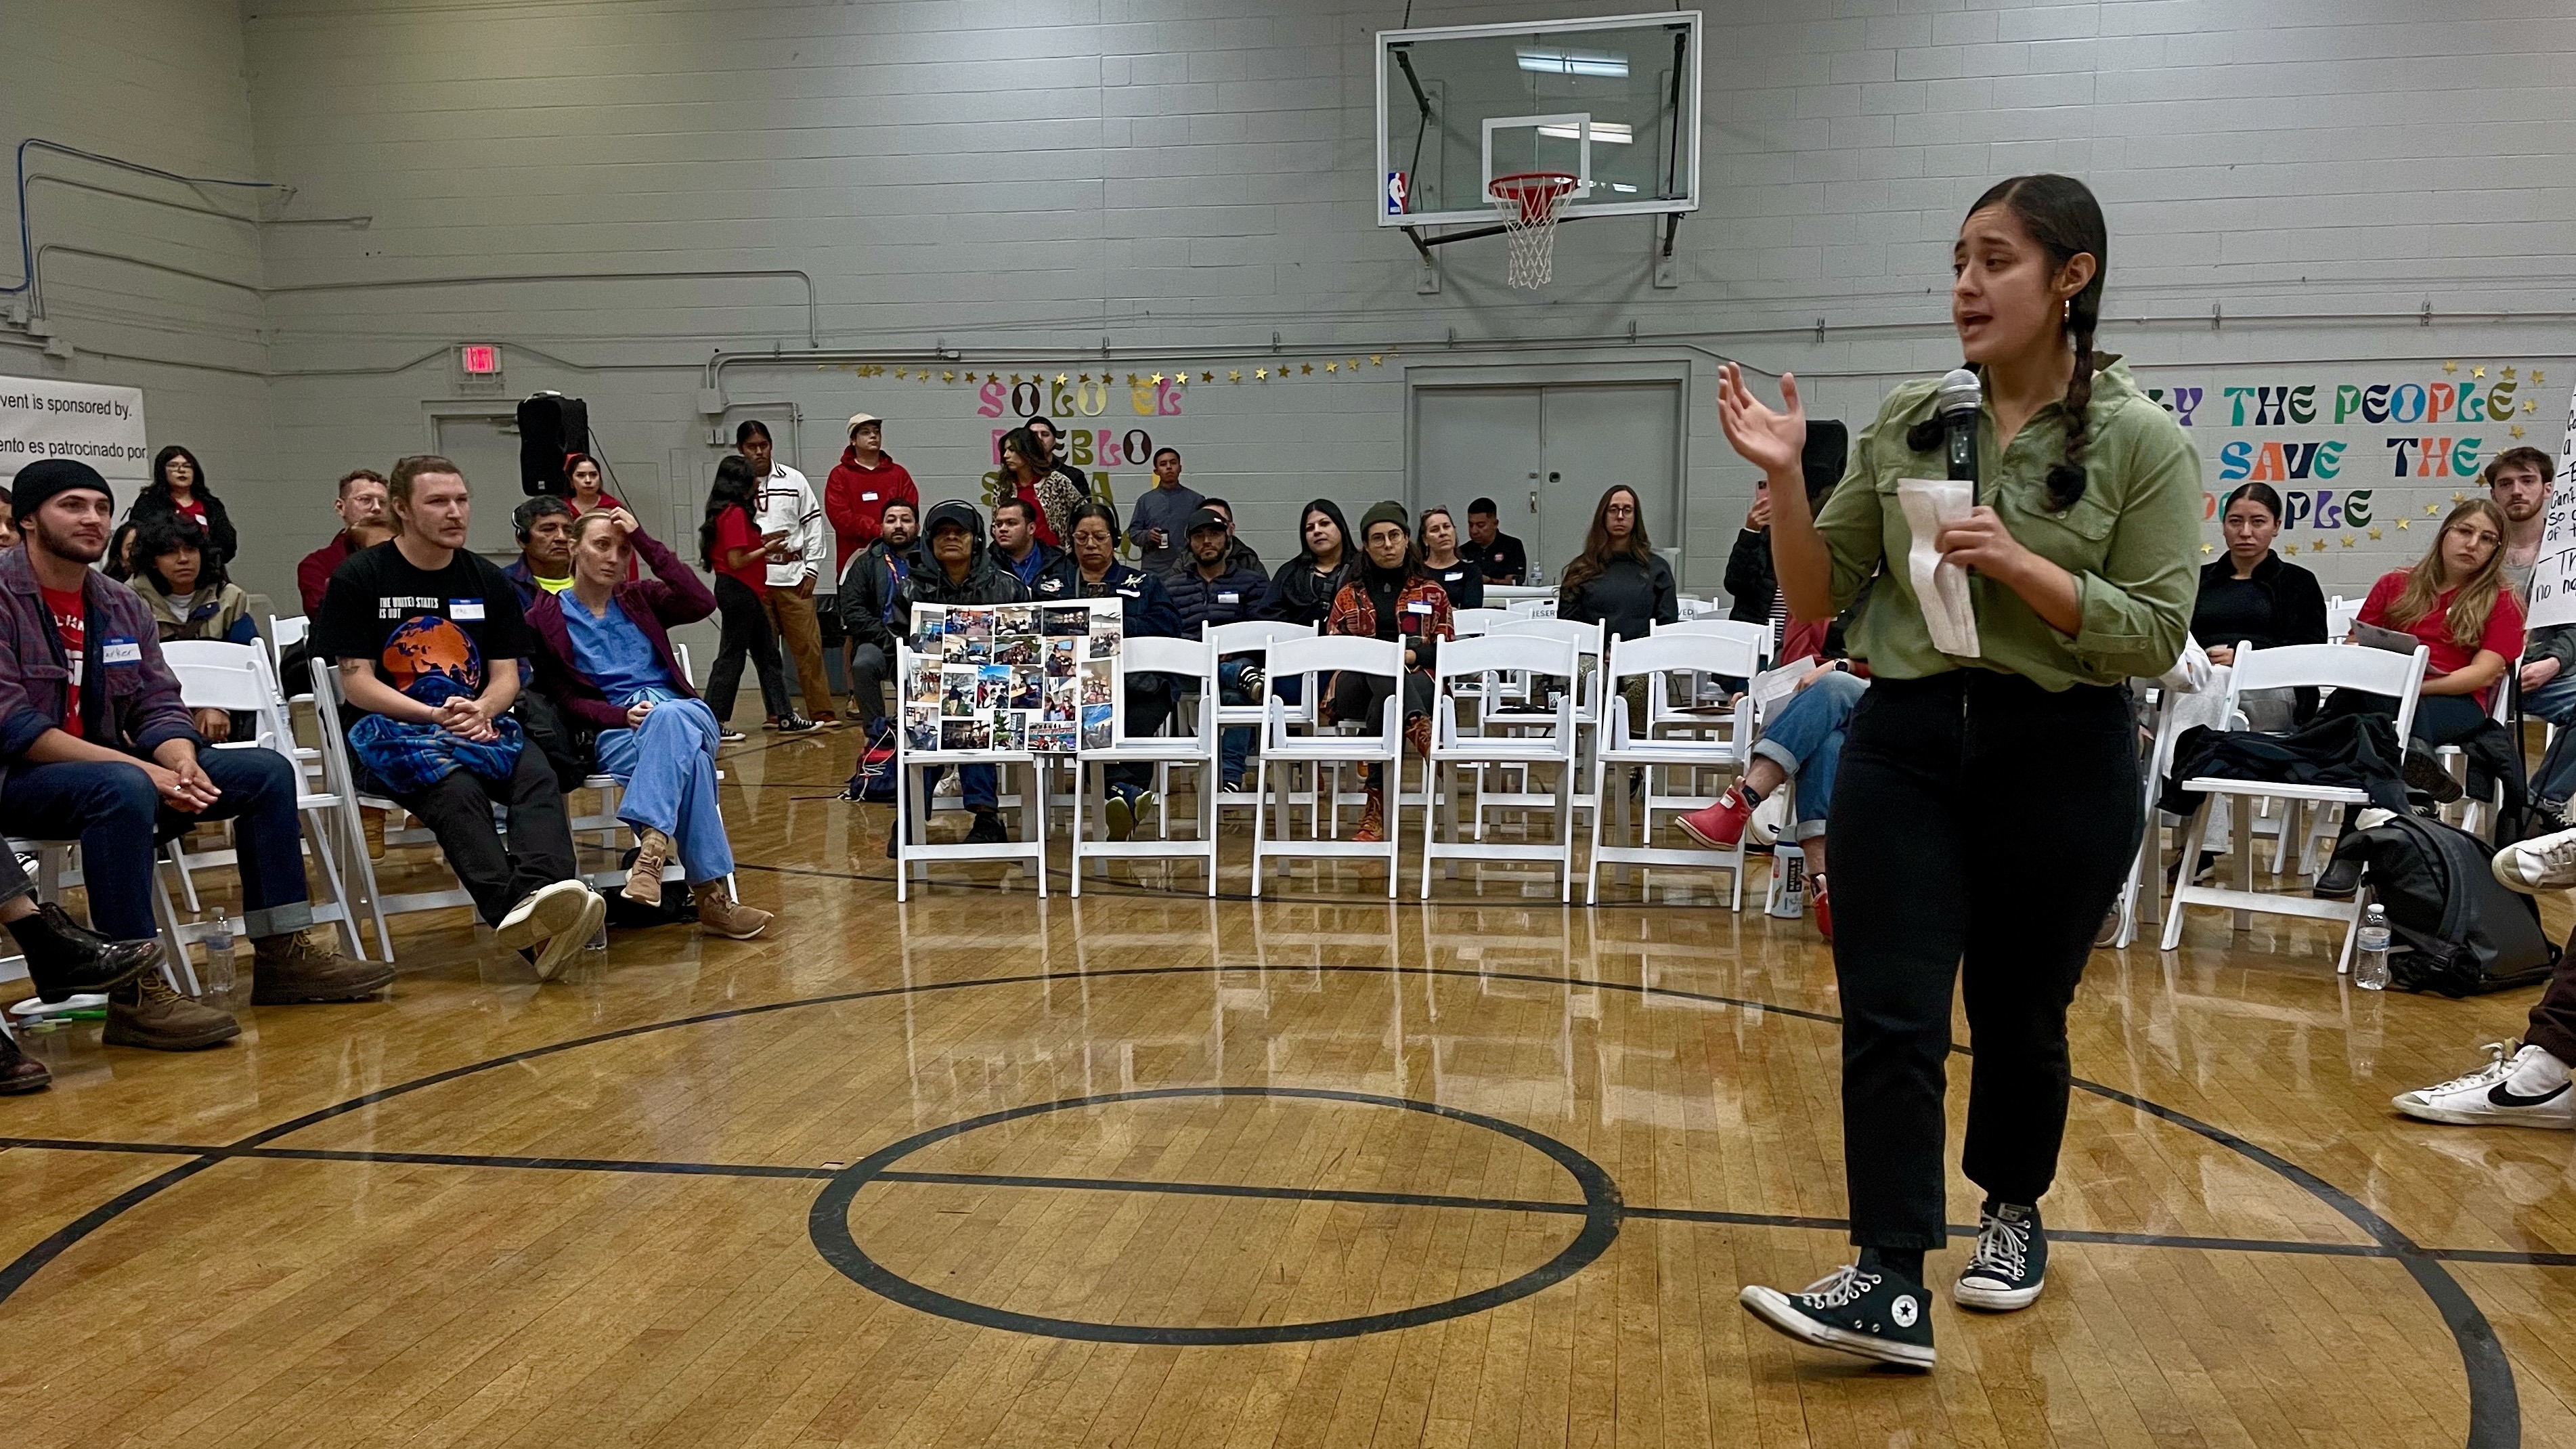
x=479, y=359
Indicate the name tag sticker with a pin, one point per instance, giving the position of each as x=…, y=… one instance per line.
x=1229, y=598
x=1417, y=608
x=867, y=498
x=120, y=651
x=1452, y=576
x=465, y=611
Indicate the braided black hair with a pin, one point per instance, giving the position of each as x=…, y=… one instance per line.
x=2062, y=216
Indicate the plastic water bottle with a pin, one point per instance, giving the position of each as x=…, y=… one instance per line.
x=2370, y=953
x=219, y=977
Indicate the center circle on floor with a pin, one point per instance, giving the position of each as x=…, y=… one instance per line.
x=1598, y=1211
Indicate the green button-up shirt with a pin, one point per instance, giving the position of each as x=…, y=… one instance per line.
x=2128, y=541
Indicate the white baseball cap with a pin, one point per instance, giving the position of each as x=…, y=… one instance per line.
x=857, y=418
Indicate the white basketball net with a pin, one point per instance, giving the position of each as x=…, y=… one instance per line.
x=1530, y=205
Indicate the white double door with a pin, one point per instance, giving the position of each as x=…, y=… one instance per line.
x=1545, y=454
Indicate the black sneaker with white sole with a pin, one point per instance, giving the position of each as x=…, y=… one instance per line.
x=2010, y=1265
x=1865, y=1309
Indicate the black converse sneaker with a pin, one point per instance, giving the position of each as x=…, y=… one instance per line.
x=1865, y=1309
x=2011, y=1262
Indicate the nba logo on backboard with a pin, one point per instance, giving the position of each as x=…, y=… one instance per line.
x=1395, y=193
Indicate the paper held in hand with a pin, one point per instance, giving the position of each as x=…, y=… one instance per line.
x=2553, y=581
x=1940, y=587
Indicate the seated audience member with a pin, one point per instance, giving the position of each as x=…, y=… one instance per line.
x=1017, y=547
x=119, y=563
x=1065, y=487
x=1802, y=740
x=1497, y=553
x=1303, y=590
x=182, y=581
x=544, y=566
x=589, y=485
x=955, y=568
x=605, y=658
x=862, y=486
x=63, y=960
x=736, y=553
x=1619, y=579
x=2525, y=1083
x=1238, y=554
x=1162, y=516
x=2519, y=483
x=1388, y=597
x=429, y=637
x=178, y=489
x=1092, y=571
x=361, y=504
x=95, y=746
x=1025, y=466
x=871, y=593
x=1462, y=581
x=2455, y=601
x=2254, y=596
x=8, y=527
x=1752, y=594
x=1213, y=591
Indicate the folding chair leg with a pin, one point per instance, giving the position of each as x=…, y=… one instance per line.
x=1430, y=825
x=2183, y=871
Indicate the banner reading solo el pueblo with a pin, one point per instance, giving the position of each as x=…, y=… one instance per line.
x=46, y=418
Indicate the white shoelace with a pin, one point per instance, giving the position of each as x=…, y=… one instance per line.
x=1841, y=1287
x=2500, y=1055
x=2002, y=1248
x=2558, y=854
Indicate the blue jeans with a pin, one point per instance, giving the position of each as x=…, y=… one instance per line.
x=1234, y=743
x=2554, y=701
x=669, y=770
x=1805, y=739
x=118, y=817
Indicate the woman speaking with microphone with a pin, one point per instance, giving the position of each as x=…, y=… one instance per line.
x=1966, y=773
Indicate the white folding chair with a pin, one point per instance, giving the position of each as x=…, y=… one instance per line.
x=2469, y=812
x=1627, y=746
x=1321, y=659
x=1503, y=715
x=913, y=848
x=1715, y=625
x=240, y=679
x=1254, y=637
x=1532, y=608
x=2340, y=614
x=2296, y=666
x=1190, y=659
x=1467, y=622
x=342, y=776
x=1480, y=658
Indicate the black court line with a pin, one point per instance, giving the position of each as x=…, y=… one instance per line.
x=2506, y=1257
x=2495, y=1411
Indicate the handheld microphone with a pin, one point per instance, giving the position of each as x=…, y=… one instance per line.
x=1955, y=403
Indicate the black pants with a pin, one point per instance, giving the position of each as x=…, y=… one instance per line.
x=1361, y=699
x=746, y=633
x=869, y=670
x=1981, y=829
x=2440, y=719
x=458, y=810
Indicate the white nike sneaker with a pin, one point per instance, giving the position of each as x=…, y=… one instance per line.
x=2482, y=1098
x=2542, y=863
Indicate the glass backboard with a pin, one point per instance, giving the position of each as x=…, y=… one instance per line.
x=1612, y=101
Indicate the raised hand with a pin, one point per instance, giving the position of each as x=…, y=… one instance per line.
x=623, y=521
x=1773, y=440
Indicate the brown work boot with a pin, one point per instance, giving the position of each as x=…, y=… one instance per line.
x=371, y=824
x=644, y=878
x=19, y=1072
x=1373, y=819
x=721, y=915
x=146, y=1013
x=305, y=966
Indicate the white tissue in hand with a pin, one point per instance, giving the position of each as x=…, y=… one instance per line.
x=1940, y=588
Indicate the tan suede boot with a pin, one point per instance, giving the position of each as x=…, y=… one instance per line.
x=145, y=1012
x=1372, y=829
x=644, y=878
x=721, y=915
x=305, y=966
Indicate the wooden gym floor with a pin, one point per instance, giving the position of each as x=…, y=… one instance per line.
x=1147, y=1170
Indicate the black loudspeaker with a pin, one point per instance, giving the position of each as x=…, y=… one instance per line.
x=550, y=426
x=1828, y=452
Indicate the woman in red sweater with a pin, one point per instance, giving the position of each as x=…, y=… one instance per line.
x=2456, y=601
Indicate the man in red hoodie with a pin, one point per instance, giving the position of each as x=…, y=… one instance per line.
x=864, y=482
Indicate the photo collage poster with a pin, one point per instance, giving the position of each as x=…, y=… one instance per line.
x=1035, y=677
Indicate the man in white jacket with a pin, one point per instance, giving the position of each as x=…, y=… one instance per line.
x=792, y=521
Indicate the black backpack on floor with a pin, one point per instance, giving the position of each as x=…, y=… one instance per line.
x=2456, y=930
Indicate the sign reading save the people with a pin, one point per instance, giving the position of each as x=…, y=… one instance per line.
x=2553, y=583
x=46, y=418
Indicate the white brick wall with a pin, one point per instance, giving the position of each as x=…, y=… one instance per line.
x=1196, y=174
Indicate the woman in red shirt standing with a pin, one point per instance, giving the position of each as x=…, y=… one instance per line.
x=731, y=546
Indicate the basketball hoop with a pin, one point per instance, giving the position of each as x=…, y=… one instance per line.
x=1530, y=203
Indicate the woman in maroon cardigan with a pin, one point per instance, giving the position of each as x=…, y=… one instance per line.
x=604, y=656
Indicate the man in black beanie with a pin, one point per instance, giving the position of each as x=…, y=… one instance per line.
x=99, y=748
